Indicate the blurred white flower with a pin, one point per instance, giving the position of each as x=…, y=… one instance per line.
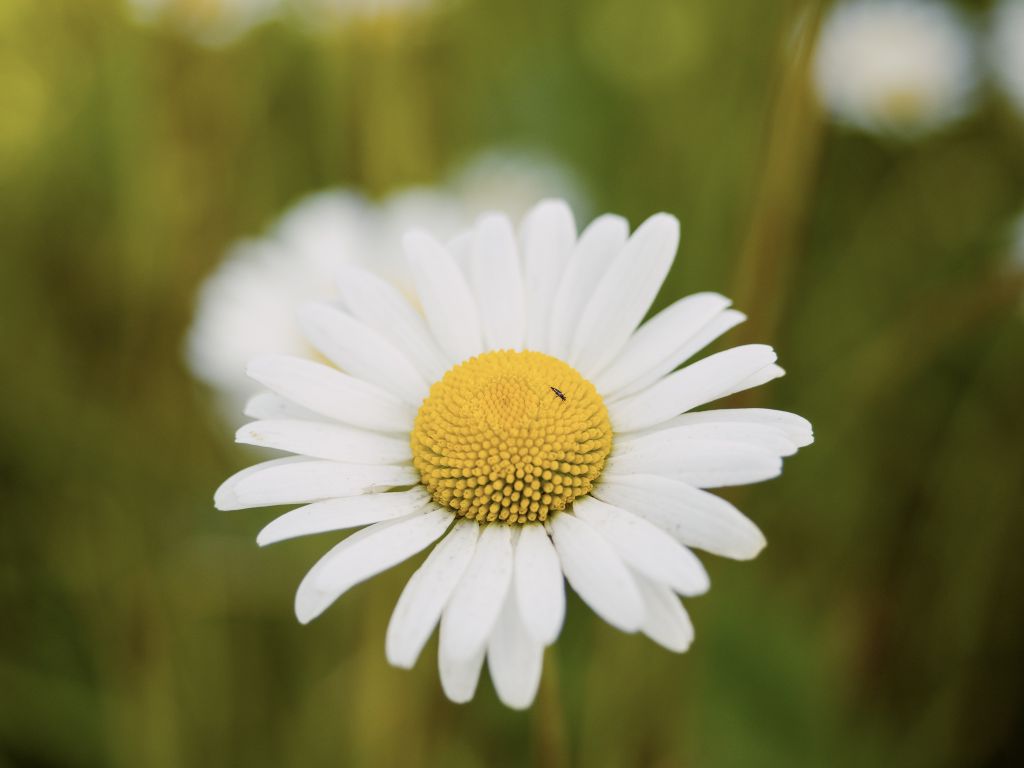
x=1006, y=50
x=220, y=22
x=903, y=68
x=245, y=308
x=210, y=22
x=320, y=12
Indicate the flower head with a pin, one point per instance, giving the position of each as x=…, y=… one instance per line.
x=526, y=425
x=897, y=67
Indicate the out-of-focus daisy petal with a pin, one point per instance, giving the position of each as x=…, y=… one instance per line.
x=446, y=298
x=381, y=306
x=461, y=249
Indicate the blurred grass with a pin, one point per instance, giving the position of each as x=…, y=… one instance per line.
x=882, y=624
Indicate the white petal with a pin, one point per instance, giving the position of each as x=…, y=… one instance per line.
x=444, y=293
x=656, y=345
x=701, y=463
x=267, y=405
x=696, y=518
x=473, y=609
x=461, y=249
x=684, y=429
x=625, y=294
x=361, y=351
x=599, y=243
x=664, y=343
x=225, y=498
x=459, y=677
x=597, y=573
x=797, y=428
x=694, y=385
x=666, y=621
x=323, y=440
x=548, y=235
x=339, y=514
x=718, y=325
x=644, y=547
x=515, y=658
x=366, y=553
x=387, y=547
x=383, y=307
x=497, y=281
x=426, y=594
x=539, y=586
x=685, y=349
x=304, y=480
x=756, y=379
x=332, y=393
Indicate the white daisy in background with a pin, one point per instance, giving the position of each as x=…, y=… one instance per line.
x=1006, y=50
x=897, y=67
x=210, y=22
x=321, y=12
x=246, y=307
x=529, y=425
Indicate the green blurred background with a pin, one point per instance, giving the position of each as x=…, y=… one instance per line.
x=883, y=624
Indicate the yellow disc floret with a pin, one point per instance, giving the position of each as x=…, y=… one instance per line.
x=510, y=436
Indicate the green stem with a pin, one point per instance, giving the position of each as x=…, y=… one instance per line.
x=550, y=734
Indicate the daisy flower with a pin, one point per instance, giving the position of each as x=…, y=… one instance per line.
x=525, y=425
x=898, y=67
x=1007, y=50
x=246, y=307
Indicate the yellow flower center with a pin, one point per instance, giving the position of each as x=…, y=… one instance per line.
x=510, y=436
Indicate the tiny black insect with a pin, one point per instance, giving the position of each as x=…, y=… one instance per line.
x=558, y=392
